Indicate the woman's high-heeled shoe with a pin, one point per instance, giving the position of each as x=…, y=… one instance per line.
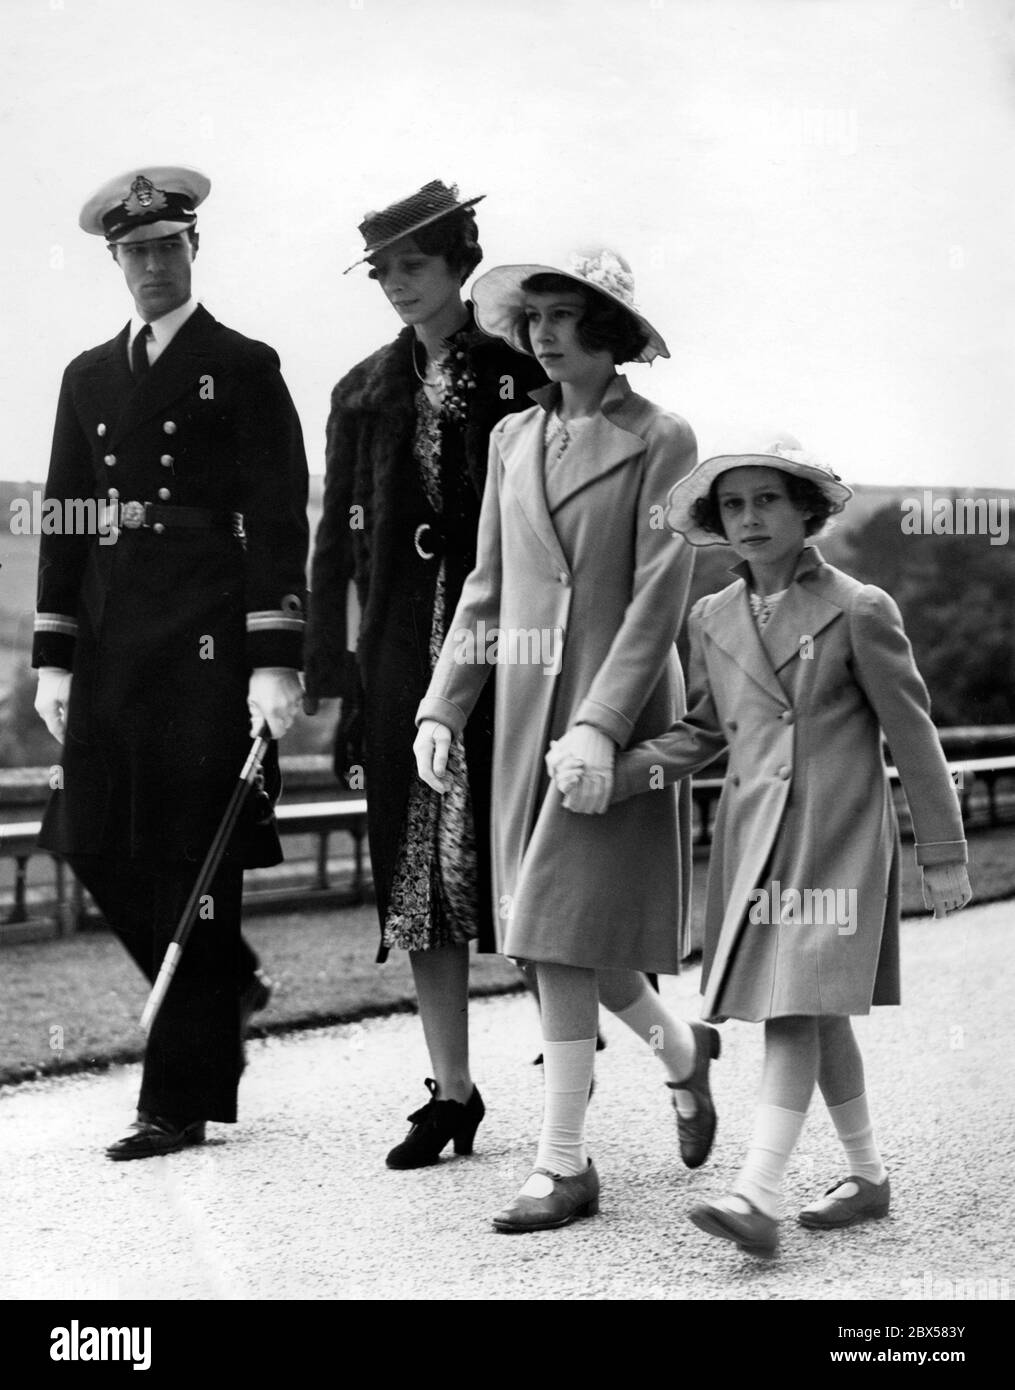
x=434, y=1126
x=695, y=1133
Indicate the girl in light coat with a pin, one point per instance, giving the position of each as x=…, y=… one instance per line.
x=796, y=669
x=577, y=596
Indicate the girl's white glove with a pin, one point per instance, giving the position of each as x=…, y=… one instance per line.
x=431, y=746
x=581, y=764
x=274, y=696
x=946, y=888
x=52, y=699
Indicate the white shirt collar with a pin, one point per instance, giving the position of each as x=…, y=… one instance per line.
x=164, y=330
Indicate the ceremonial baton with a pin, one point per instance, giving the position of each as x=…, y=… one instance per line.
x=209, y=868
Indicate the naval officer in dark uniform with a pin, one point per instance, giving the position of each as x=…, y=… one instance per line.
x=169, y=631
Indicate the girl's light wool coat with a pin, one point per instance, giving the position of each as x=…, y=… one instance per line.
x=609, y=582
x=806, y=803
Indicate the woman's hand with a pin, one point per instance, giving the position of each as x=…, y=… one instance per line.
x=946, y=888
x=431, y=746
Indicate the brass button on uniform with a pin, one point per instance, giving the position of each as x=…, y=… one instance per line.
x=564, y=579
x=164, y=494
x=787, y=716
x=158, y=528
x=113, y=494
x=109, y=460
x=784, y=772
x=100, y=430
x=166, y=460
x=169, y=427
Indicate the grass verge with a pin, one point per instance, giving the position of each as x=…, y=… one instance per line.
x=73, y=1004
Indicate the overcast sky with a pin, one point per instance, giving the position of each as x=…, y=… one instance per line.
x=815, y=195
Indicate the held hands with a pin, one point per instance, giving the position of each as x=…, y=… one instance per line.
x=945, y=888
x=52, y=699
x=273, y=698
x=431, y=746
x=581, y=765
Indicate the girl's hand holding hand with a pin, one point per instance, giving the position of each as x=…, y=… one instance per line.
x=431, y=746
x=945, y=888
x=581, y=764
x=591, y=796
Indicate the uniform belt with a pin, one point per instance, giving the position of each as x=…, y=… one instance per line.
x=153, y=515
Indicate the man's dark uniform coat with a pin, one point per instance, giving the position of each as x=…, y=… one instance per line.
x=161, y=630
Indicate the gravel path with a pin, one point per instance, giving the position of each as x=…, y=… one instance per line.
x=295, y=1201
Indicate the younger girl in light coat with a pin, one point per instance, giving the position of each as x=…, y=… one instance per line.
x=796, y=669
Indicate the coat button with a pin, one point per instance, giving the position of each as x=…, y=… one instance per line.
x=735, y=779
x=109, y=460
x=164, y=494
x=169, y=427
x=784, y=772
x=787, y=716
x=100, y=430
x=564, y=579
x=166, y=460
x=732, y=725
x=158, y=528
x=113, y=495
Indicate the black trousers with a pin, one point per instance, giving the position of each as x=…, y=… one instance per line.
x=194, y=1055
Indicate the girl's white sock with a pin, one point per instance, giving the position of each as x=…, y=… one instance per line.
x=853, y=1126
x=567, y=1075
x=670, y=1039
x=776, y=1132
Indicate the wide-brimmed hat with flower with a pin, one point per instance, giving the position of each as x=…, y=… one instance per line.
x=500, y=299
x=770, y=450
x=427, y=205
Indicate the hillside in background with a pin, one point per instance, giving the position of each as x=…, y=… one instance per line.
x=957, y=595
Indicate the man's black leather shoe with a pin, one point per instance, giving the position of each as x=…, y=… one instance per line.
x=153, y=1135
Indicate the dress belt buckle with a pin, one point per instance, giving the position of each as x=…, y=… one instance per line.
x=417, y=538
x=134, y=514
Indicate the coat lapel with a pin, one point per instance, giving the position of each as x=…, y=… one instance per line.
x=732, y=628
x=109, y=380
x=604, y=443
x=176, y=372
x=521, y=450
x=799, y=615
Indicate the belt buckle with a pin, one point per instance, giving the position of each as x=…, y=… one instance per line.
x=134, y=514
x=418, y=536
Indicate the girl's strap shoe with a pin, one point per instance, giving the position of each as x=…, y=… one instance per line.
x=841, y=1207
x=569, y=1199
x=752, y=1230
x=696, y=1133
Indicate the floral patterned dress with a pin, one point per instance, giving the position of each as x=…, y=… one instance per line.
x=434, y=897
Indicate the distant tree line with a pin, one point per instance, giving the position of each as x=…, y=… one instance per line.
x=956, y=593
x=957, y=597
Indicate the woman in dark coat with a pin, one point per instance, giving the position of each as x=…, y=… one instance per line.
x=406, y=467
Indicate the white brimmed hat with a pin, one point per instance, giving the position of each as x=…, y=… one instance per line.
x=500, y=299
x=144, y=204
x=772, y=450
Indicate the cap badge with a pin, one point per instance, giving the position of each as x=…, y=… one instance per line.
x=144, y=197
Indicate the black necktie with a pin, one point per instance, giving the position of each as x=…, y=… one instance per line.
x=139, y=352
